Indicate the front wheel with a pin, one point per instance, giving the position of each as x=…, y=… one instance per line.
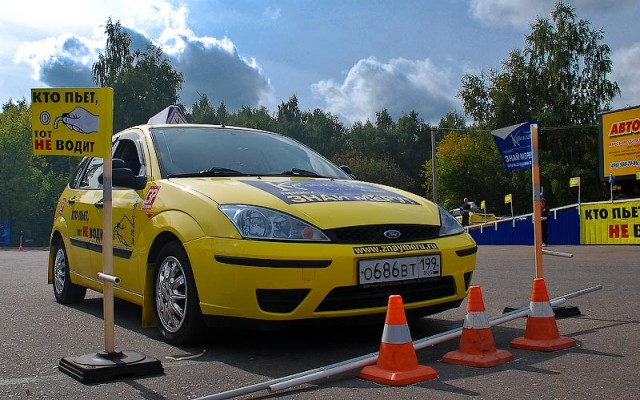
x=65, y=291
x=177, y=307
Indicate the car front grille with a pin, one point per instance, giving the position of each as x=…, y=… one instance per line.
x=354, y=297
x=375, y=233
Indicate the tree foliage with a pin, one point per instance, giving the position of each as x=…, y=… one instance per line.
x=561, y=79
x=143, y=83
x=116, y=58
x=29, y=185
x=144, y=89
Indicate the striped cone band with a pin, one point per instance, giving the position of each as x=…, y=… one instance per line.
x=476, y=320
x=540, y=309
x=396, y=334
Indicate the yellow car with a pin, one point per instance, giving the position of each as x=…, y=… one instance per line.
x=216, y=225
x=476, y=215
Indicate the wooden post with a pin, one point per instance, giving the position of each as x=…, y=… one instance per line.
x=535, y=179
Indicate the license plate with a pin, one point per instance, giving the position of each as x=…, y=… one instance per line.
x=398, y=269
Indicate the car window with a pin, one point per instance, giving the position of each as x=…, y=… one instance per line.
x=126, y=150
x=89, y=179
x=77, y=176
x=185, y=150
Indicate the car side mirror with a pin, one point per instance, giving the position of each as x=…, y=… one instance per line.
x=124, y=177
x=345, y=168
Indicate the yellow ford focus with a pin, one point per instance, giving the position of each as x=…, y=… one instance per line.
x=217, y=225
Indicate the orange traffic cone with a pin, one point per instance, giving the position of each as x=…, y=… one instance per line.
x=542, y=332
x=397, y=362
x=477, y=347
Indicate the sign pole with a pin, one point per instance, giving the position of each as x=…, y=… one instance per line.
x=107, y=256
x=535, y=179
x=79, y=122
x=578, y=198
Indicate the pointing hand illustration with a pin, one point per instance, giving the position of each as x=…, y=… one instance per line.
x=79, y=120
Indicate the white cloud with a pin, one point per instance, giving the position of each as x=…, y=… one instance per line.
x=399, y=86
x=517, y=13
x=627, y=74
x=210, y=66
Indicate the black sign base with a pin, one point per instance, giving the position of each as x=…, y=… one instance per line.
x=559, y=311
x=100, y=367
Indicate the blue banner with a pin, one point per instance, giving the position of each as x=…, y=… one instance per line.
x=514, y=143
x=5, y=233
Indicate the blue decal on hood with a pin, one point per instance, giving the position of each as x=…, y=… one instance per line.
x=316, y=191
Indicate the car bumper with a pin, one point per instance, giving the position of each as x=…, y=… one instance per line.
x=272, y=281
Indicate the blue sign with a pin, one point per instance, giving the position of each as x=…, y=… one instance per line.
x=5, y=233
x=514, y=143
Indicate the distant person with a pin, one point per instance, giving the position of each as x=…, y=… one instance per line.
x=545, y=213
x=465, y=209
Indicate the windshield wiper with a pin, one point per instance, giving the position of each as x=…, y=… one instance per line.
x=301, y=172
x=214, y=171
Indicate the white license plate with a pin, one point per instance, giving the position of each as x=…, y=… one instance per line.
x=398, y=269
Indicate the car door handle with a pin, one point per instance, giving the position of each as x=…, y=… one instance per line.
x=99, y=203
x=72, y=200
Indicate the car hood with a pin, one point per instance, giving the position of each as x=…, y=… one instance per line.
x=326, y=203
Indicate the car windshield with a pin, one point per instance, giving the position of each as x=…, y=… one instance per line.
x=185, y=151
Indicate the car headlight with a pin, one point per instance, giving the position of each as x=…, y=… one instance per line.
x=449, y=225
x=262, y=223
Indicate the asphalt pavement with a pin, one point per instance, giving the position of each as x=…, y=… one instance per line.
x=36, y=333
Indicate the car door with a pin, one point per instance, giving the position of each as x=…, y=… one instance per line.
x=129, y=218
x=84, y=216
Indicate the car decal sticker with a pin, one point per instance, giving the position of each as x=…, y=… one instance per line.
x=63, y=202
x=151, y=197
x=317, y=191
x=394, y=248
x=125, y=229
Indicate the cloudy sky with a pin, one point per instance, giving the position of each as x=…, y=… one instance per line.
x=349, y=57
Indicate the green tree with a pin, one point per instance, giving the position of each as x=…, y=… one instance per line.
x=377, y=170
x=143, y=83
x=468, y=165
x=29, y=186
x=323, y=132
x=561, y=79
x=257, y=118
x=289, y=118
x=116, y=58
x=202, y=112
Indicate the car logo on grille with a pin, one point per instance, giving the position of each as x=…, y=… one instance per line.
x=392, y=234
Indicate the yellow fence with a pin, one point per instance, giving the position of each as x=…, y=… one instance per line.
x=613, y=223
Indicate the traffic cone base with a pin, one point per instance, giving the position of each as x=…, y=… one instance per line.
x=541, y=333
x=477, y=347
x=487, y=360
x=397, y=361
x=398, y=378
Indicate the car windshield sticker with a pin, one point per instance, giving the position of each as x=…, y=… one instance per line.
x=317, y=191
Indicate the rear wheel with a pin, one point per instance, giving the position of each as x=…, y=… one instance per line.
x=177, y=307
x=65, y=291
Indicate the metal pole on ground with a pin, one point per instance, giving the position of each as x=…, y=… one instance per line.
x=359, y=362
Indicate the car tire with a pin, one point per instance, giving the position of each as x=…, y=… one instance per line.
x=65, y=291
x=176, y=302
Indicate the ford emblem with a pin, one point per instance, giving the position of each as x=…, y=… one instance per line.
x=392, y=234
